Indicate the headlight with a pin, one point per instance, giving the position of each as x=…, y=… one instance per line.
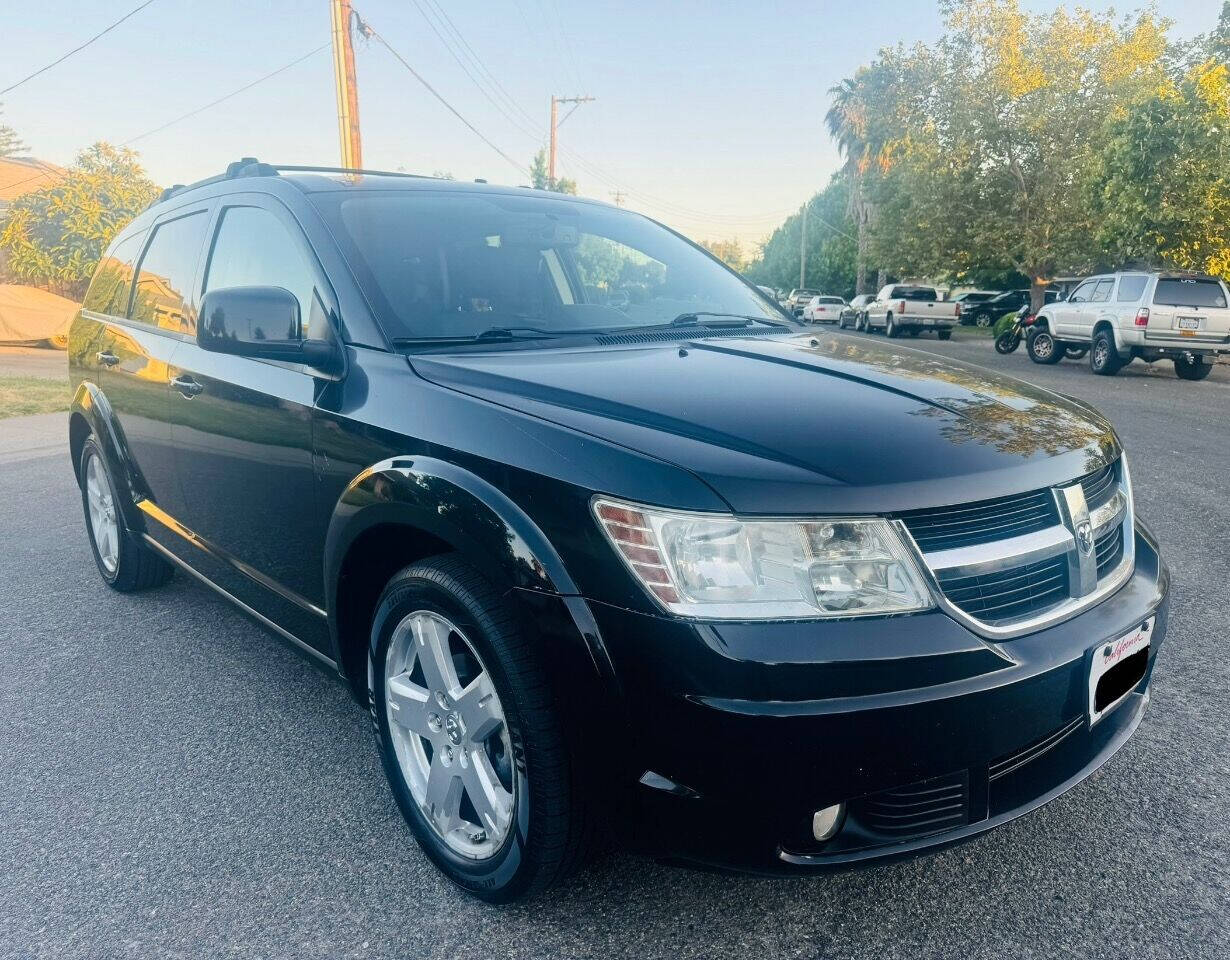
x=718, y=567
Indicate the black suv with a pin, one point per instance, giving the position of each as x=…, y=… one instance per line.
x=780, y=600
x=984, y=313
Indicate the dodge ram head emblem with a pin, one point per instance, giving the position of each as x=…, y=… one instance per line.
x=1084, y=537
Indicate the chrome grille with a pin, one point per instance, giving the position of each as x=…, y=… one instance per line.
x=1010, y=594
x=983, y=522
x=1015, y=564
x=1099, y=486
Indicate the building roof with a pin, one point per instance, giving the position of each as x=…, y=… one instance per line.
x=20, y=175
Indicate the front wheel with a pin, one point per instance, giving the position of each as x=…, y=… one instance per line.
x=468, y=734
x=860, y=323
x=1043, y=348
x=1192, y=367
x=1007, y=342
x=944, y=334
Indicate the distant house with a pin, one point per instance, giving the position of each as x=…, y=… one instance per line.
x=20, y=175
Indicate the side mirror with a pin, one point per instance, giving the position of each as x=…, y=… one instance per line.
x=264, y=323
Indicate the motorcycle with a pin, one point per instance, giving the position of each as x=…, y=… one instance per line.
x=1010, y=339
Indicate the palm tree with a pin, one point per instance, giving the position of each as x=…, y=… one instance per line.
x=847, y=123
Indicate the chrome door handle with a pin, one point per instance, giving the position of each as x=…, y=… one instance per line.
x=187, y=387
x=107, y=359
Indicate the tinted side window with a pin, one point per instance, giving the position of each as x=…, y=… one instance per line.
x=1130, y=288
x=254, y=248
x=1101, y=293
x=112, y=281
x=163, y=297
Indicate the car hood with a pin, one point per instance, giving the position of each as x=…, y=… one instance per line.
x=801, y=423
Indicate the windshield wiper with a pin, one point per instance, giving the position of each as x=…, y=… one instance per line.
x=491, y=333
x=693, y=319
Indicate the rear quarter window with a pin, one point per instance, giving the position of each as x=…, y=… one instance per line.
x=1189, y=292
x=1130, y=289
x=108, y=292
x=164, y=283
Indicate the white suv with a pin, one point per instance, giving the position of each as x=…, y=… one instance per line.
x=1121, y=316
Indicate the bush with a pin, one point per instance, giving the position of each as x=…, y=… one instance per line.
x=1003, y=323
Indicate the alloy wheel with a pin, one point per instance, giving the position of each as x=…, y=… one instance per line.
x=450, y=734
x=103, y=522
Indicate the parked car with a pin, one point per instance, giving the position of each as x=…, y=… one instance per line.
x=798, y=298
x=984, y=313
x=786, y=603
x=1119, y=317
x=823, y=309
x=971, y=297
x=908, y=308
x=855, y=311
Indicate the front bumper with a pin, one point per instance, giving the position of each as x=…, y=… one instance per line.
x=754, y=726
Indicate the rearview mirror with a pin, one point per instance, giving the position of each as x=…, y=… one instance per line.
x=261, y=322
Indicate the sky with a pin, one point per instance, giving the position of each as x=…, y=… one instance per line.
x=708, y=115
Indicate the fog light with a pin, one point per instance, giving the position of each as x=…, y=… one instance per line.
x=825, y=823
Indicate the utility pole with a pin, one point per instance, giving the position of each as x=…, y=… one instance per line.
x=347, y=90
x=555, y=124
x=803, y=248
x=618, y=196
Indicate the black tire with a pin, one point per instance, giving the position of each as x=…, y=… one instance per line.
x=982, y=320
x=137, y=567
x=944, y=334
x=1103, y=357
x=552, y=830
x=1043, y=348
x=1196, y=369
x=1007, y=342
x=891, y=329
x=860, y=322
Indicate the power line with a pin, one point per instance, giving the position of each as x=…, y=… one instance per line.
x=55, y=63
x=453, y=110
x=233, y=93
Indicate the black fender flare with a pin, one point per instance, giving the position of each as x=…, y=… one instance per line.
x=470, y=514
x=91, y=405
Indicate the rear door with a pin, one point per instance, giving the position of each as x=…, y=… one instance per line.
x=1188, y=310
x=243, y=429
x=138, y=350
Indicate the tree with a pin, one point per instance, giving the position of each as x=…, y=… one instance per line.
x=10, y=143
x=1162, y=190
x=730, y=252
x=832, y=247
x=1001, y=126
x=54, y=237
x=540, y=179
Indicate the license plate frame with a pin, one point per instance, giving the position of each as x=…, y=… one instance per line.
x=1124, y=652
x=1189, y=323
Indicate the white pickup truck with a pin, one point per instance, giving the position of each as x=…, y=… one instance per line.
x=905, y=308
x=1122, y=316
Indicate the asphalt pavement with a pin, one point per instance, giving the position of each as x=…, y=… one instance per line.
x=175, y=781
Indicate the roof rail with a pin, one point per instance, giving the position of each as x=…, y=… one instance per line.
x=244, y=167
x=251, y=167
x=359, y=171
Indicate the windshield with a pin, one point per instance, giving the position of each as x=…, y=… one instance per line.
x=1189, y=292
x=439, y=265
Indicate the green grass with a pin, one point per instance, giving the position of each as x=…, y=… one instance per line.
x=20, y=396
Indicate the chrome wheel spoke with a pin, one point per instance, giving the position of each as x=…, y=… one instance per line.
x=443, y=795
x=432, y=648
x=480, y=709
x=408, y=705
x=490, y=800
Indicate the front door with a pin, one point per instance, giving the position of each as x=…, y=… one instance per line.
x=1067, y=313
x=243, y=433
